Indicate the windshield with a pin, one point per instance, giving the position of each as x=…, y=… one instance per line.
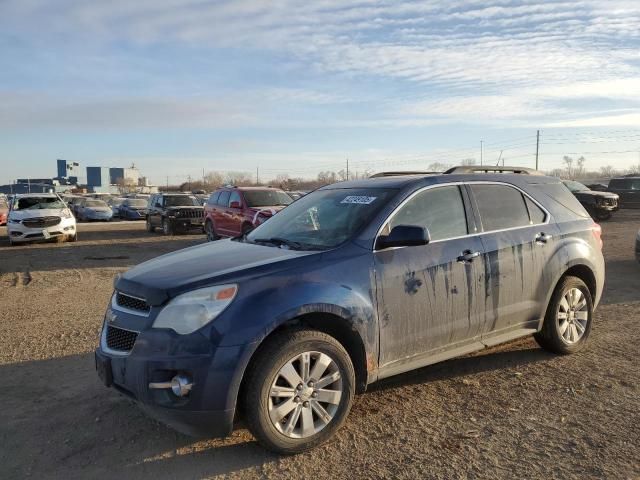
x=575, y=186
x=180, y=201
x=266, y=198
x=136, y=203
x=95, y=203
x=38, y=203
x=323, y=219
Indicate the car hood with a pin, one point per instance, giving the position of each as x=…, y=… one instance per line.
x=593, y=194
x=45, y=212
x=169, y=275
x=98, y=209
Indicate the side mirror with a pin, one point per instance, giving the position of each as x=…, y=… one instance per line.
x=404, y=236
x=234, y=205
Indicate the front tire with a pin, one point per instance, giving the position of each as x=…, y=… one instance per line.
x=210, y=231
x=150, y=228
x=167, y=229
x=299, y=391
x=569, y=317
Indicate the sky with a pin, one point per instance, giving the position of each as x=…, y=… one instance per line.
x=297, y=87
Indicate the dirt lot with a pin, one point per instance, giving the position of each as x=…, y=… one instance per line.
x=509, y=412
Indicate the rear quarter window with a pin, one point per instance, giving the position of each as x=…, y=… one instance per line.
x=562, y=198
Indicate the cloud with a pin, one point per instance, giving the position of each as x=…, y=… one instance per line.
x=424, y=61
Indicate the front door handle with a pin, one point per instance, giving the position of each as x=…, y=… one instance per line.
x=542, y=238
x=468, y=256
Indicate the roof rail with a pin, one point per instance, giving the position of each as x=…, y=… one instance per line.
x=494, y=169
x=398, y=174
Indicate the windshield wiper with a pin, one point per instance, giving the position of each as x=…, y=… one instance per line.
x=280, y=241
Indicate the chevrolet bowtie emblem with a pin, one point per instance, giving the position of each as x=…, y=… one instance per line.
x=110, y=317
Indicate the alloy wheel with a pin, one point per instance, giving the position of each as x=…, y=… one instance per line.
x=305, y=395
x=573, y=316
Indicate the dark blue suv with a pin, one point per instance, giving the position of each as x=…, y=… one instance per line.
x=350, y=284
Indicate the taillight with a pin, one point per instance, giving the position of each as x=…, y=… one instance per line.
x=597, y=232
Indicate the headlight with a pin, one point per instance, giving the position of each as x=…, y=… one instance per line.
x=193, y=310
x=66, y=213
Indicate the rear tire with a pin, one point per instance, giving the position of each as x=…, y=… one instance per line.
x=309, y=413
x=569, y=317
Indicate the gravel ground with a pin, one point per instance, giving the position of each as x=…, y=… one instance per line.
x=509, y=412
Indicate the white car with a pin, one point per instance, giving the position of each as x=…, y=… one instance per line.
x=40, y=216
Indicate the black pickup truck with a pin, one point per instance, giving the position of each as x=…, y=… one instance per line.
x=174, y=212
x=600, y=205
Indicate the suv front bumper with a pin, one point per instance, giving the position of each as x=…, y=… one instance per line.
x=156, y=357
x=19, y=233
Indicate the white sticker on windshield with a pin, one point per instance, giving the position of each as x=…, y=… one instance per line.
x=360, y=199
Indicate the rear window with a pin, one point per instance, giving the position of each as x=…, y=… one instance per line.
x=266, y=198
x=500, y=207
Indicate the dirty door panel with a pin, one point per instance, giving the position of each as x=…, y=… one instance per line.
x=427, y=295
x=427, y=299
x=516, y=250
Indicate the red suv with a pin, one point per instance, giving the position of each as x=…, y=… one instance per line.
x=234, y=211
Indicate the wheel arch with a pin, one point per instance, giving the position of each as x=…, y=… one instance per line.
x=332, y=324
x=582, y=271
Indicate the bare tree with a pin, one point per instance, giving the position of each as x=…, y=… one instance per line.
x=568, y=161
x=213, y=180
x=634, y=170
x=438, y=167
x=468, y=162
x=240, y=179
x=608, y=171
x=580, y=168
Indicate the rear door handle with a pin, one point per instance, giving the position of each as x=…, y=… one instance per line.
x=543, y=238
x=468, y=256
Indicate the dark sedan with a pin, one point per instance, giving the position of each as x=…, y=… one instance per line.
x=133, y=209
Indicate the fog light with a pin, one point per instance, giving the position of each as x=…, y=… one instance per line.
x=180, y=385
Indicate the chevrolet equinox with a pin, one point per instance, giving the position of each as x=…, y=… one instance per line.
x=350, y=284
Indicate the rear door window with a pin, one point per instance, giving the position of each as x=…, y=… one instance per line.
x=440, y=209
x=223, y=199
x=500, y=207
x=235, y=197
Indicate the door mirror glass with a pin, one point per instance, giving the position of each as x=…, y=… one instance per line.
x=404, y=236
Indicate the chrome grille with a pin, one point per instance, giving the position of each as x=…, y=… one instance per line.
x=41, y=222
x=132, y=303
x=190, y=213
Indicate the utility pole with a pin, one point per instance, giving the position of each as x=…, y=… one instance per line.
x=257, y=175
x=481, y=151
x=537, y=147
x=347, y=169
x=203, y=182
x=167, y=183
x=189, y=178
